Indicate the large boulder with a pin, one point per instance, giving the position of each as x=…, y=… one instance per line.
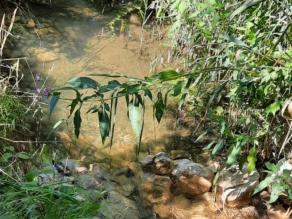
x=159, y=164
x=191, y=178
x=235, y=187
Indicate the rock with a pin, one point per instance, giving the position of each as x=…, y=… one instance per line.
x=159, y=164
x=235, y=188
x=191, y=178
x=156, y=189
x=118, y=206
x=31, y=24
x=126, y=186
x=42, y=55
x=88, y=182
x=147, y=161
x=73, y=166
x=44, y=179
x=162, y=164
x=179, y=154
x=124, y=171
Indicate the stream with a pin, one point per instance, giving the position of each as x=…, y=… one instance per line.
x=72, y=39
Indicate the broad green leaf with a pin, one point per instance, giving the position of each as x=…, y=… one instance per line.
x=264, y=184
x=77, y=122
x=207, y=147
x=22, y=155
x=277, y=189
x=177, y=89
x=251, y=159
x=218, y=147
x=148, y=93
x=159, y=107
x=270, y=166
x=104, y=123
x=54, y=100
x=7, y=156
x=273, y=108
x=83, y=83
x=73, y=106
x=232, y=157
x=109, y=87
x=168, y=75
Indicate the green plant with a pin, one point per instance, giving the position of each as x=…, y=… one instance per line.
x=27, y=199
x=279, y=180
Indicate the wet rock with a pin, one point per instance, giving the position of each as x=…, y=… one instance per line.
x=31, y=24
x=118, y=206
x=191, y=178
x=160, y=164
x=235, y=188
x=156, y=189
x=42, y=55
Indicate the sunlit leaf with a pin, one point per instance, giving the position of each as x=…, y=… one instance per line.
x=277, y=189
x=23, y=156
x=218, y=148
x=57, y=124
x=232, y=157
x=264, y=184
x=136, y=118
x=251, y=159
x=168, y=75
x=273, y=108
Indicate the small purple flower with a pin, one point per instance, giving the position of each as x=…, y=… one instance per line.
x=46, y=92
x=37, y=77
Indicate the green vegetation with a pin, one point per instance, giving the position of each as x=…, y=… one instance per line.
x=236, y=77
x=23, y=161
